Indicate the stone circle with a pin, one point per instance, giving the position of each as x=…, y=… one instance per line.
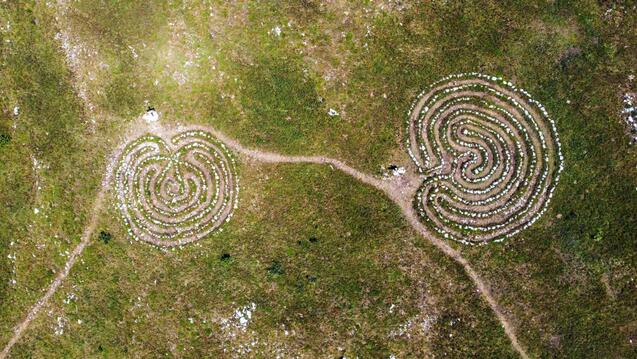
x=178, y=191
x=490, y=155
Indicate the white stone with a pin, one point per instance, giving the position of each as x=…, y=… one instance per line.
x=151, y=116
x=399, y=171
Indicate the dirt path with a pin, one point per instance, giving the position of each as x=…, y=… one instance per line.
x=88, y=231
x=84, y=240
x=400, y=189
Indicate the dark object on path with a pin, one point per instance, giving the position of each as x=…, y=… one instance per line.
x=224, y=257
x=105, y=237
x=392, y=167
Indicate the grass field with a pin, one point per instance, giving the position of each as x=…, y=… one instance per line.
x=326, y=266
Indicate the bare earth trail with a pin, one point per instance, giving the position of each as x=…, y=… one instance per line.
x=401, y=190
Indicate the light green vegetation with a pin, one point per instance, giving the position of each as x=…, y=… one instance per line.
x=567, y=283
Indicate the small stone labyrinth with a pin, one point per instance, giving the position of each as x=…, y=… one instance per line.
x=178, y=191
x=490, y=154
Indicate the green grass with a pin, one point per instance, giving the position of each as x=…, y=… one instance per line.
x=567, y=282
x=47, y=127
x=333, y=291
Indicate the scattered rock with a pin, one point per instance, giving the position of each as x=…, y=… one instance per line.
x=276, y=31
x=397, y=171
x=630, y=113
x=151, y=115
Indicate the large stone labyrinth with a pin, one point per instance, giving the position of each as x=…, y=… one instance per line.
x=176, y=192
x=491, y=156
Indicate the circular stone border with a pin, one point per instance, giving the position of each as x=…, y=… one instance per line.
x=177, y=191
x=490, y=154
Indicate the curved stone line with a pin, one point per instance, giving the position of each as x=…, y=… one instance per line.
x=491, y=156
x=178, y=191
x=401, y=190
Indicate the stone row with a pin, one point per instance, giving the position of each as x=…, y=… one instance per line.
x=490, y=154
x=176, y=192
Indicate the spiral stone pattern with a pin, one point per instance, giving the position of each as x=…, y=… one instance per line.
x=175, y=192
x=490, y=154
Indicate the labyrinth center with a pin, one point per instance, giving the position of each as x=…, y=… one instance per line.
x=178, y=191
x=491, y=157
